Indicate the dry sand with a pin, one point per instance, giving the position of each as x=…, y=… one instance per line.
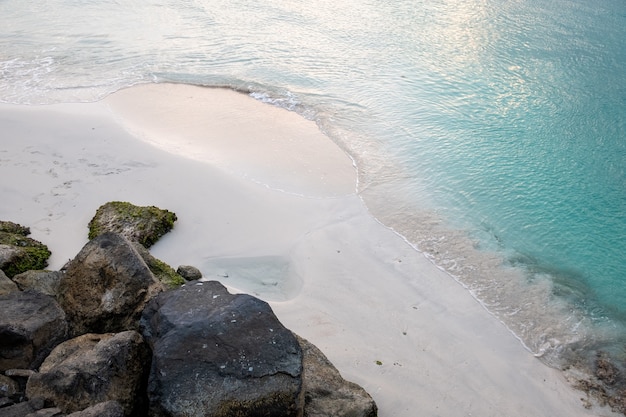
x=267, y=205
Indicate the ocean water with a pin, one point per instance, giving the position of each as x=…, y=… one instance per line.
x=490, y=134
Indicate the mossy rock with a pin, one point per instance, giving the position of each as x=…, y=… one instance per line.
x=19, y=253
x=144, y=225
x=17, y=229
x=161, y=271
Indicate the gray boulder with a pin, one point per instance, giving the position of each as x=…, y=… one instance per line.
x=6, y=285
x=327, y=393
x=144, y=225
x=106, y=286
x=218, y=354
x=190, y=273
x=46, y=282
x=91, y=369
x=31, y=325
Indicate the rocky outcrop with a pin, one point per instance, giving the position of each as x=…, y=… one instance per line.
x=19, y=253
x=46, y=282
x=202, y=336
x=91, y=369
x=31, y=325
x=106, y=286
x=327, y=393
x=206, y=352
x=144, y=225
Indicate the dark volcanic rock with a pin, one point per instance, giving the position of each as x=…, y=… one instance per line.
x=46, y=282
x=327, y=393
x=31, y=325
x=91, y=369
x=138, y=224
x=219, y=354
x=106, y=286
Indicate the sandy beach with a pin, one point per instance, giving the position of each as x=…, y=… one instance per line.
x=268, y=205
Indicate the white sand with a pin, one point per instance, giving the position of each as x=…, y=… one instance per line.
x=384, y=315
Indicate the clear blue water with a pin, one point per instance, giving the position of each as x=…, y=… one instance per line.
x=489, y=133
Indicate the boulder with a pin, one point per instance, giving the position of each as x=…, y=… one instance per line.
x=31, y=325
x=327, y=393
x=138, y=224
x=218, y=354
x=91, y=369
x=19, y=253
x=106, y=286
x=6, y=285
x=46, y=282
x=105, y=409
x=190, y=273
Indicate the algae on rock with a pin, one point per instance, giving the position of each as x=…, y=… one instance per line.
x=19, y=253
x=139, y=224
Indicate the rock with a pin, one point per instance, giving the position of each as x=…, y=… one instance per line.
x=6, y=285
x=19, y=253
x=22, y=409
x=138, y=224
x=46, y=412
x=190, y=273
x=91, y=369
x=14, y=228
x=20, y=376
x=161, y=271
x=9, y=388
x=31, y=325
x=46, y=282
x=5, y=402
x=218, y=354
x=327, y=393
x=106, y=286
x=105, y=409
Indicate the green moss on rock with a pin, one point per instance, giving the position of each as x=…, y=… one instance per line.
x=165, y=273
x=17, y=229
x=22, y=253
x=139, y=224
x=161, y=271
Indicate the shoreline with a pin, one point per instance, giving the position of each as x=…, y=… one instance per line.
x=385, y=316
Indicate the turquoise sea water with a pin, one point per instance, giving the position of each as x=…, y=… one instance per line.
x=490, y=134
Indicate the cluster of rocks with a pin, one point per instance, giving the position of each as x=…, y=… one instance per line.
x=110, y=336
